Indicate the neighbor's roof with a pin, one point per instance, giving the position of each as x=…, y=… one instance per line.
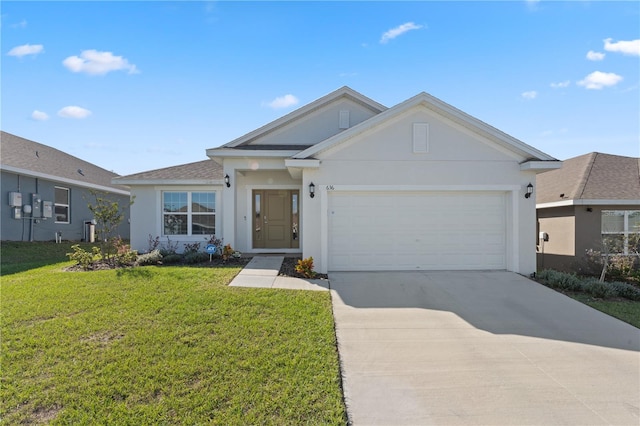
x=198, y=173
x=593, y=178
x=25, y=157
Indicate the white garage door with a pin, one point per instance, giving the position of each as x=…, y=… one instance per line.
x=417, y=230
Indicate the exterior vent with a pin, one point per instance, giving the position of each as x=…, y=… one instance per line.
x=344, y=120
x=420, y=138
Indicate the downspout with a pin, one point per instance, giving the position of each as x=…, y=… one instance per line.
x=32, y=220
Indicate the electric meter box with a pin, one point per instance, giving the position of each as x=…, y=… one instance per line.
x=15, y=199
x=47, y=209
x=36, y=206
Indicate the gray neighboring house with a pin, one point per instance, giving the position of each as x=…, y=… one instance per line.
x=45, y=193
x=593, y=196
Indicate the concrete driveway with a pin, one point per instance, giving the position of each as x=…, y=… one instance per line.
x=482, y=348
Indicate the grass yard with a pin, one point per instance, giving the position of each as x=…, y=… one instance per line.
x=168, y=345
x=624, y=310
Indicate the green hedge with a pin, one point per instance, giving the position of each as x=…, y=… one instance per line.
x=603, y=290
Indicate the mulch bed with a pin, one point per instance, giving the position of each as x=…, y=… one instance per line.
x=288, y=269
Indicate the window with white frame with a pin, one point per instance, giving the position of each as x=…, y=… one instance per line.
x=620, y=228
x=188, y=213
x=61, y=204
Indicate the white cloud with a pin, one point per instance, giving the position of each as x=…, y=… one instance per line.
x=74, y=112
x=398, y=31
x=598, y=80
x=26, y=49
x=21, y=24
x=532, y=4
x=532, y=94
x=39, y=115
x=595, y=56
x=282, y=102
x=561, y=84
x=631, y=47
x=98, y=63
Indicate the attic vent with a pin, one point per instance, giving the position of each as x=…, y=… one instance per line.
x=344, y=120
x=420, y=138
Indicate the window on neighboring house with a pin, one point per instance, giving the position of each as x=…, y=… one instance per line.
x=620, y=229
x=189, y=213
x=61, y=204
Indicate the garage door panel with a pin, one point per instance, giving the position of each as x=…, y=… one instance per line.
x=421, y=230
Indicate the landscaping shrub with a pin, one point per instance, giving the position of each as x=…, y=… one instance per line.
x=151, y=258
x=601, y=290
x=170, y=259
x=305, y=267
x=82, y=257
x=195, y=257
x=593, y=286
x=626, y=290
x=561, y=280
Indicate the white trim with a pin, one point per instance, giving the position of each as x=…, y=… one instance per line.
x=541, y=166
x=329, y=187
x=441, y=108
x=188, y=237
x=513, y=243
x=250, y=153
x=581, y=202
x=303, y=163
x=174, y=182
x=56, y=204
x=59, y=179
x=249, y=214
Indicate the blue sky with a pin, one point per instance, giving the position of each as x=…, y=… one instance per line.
x=135, y=86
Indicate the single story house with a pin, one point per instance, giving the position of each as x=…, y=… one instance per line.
x=592, y=197
x=357, y=186
x=46, y=193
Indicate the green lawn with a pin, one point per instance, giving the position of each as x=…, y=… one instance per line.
x=168, y=345
x=625, y=310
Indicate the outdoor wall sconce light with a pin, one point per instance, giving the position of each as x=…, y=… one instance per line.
x=529, y=191
x=312, y=190
x=227, y=181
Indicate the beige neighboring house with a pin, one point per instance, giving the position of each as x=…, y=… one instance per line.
x=593, y=196
x=357, y=186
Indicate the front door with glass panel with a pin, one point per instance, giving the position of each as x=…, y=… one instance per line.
x=275, y=219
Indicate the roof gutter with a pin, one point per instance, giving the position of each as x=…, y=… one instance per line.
x=581, y=202
x=59, y=179
x=540, y=166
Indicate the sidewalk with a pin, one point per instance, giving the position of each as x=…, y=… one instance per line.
x=262, y=272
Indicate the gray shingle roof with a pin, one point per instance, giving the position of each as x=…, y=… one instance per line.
x=35, y=159
x=201, y=170
x=593, y=176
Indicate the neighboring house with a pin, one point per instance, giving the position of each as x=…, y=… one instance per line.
x=45, y=193
x=357, y=186
x=593, y=196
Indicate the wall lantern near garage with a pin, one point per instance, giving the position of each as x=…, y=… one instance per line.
x=529, y=191
x=312, y=190
x=227, y=181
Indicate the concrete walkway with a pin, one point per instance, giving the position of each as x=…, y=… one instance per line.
x=480, y=348
x=262, y=272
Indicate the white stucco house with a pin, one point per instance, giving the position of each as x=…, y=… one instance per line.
x=358, y=186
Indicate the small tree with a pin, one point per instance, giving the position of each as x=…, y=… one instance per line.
x=108, y=215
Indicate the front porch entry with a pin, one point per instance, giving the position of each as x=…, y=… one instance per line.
x=276, y=219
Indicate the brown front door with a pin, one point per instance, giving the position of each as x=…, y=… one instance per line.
x=275, y=219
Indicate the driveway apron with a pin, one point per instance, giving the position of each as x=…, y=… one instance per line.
x=480, y=348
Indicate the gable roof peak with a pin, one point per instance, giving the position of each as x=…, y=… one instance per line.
x=344, y=91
